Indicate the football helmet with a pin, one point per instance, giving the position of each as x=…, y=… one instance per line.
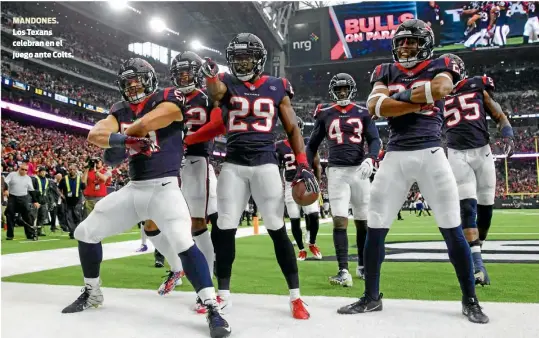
x=136, y=80
x=246, y=56
x=336, y=93
x=413, y=29
x=460, y=64
x=184, y=72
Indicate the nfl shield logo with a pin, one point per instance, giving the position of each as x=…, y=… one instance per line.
x=410, y=73
x=253, y=87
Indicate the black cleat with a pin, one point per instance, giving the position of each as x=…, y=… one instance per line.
x=364, y=304
x=89, y=298
x=159, y=259
x=474, y=312
x=219, y=327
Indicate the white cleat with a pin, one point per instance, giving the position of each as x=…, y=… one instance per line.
x=360, y=272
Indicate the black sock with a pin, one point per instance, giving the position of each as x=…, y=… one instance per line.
x=307, y=223
x=314, y=225
x=224, y=244
x=340, y=241
x=526, y=39
x=373, y=257
x=296, y=232
x=286, y=257
x=484, y=218
x=461, y=258
x=91, y=256
x=213, y=219
x=196, y=268
x=361, y=237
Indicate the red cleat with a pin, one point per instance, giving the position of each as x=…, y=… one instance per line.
x=302, y=255
x=298, y=309
x=315, y=251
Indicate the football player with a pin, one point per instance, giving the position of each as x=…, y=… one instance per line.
x=482, y=20
x=347, y=126
x=470, y=156
x=196, y=176
x=288, y=162
x=252, y=103
x=418, y=85
x=501, y=29
x=531, y=29
x=148, y=124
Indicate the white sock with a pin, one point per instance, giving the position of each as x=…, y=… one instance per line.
x=93, y=282
x=143, y=236
x=207, y=294
x=225, y=294
x=204, y=243
x=294, y=294
x=161, y=243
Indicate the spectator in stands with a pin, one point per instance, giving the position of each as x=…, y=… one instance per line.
x=56, y=207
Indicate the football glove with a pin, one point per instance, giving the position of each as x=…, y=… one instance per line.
x=305, y=174
x=141, y=145
x=209, y=68
x=366, y=168
x=508, y=146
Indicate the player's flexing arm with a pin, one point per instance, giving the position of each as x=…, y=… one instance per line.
x=104, y=134
x=290, y=125
x=495, y=111
x=160, y=117
x=373, y=140
x=434, y=90
x=216, y=88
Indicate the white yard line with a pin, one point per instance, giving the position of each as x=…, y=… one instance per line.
x=129, y=313
x=25, y=262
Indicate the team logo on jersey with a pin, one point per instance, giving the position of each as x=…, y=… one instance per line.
x=510, y=251
x=252, y=87
x=273, y=88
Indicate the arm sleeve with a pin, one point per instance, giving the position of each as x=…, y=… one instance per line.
x=373, y=138
x=317, y=136
x=209, y=131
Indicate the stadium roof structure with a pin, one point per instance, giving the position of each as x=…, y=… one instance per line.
x=214, y=24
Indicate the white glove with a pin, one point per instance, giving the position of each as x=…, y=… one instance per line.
x=366, y=168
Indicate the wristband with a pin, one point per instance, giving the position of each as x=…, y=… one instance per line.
x=507, y=131
x=428, y=93
x=301, y=158
x=117, y=140
x=404, y=96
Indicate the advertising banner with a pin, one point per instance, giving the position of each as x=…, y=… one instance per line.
x=304, y=46
x=366, y=29
x=511, y=202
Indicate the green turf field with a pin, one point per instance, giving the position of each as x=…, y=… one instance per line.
x=517, y=40
x=256, y=271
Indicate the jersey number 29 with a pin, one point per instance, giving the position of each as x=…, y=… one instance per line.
x=262, y=108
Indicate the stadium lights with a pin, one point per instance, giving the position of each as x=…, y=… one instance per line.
x=118, y=4
x=157, y=25
x=196, y=45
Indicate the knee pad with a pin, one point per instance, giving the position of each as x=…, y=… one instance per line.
x=375, y=220
x=467, y=190
x=273, y=223
x=468, y=208
x=486, y=197
x=361, y=213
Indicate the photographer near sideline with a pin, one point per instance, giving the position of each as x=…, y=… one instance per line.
x=97, y=178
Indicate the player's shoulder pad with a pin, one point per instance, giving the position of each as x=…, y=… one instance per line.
x=287, y=87
x=380, y=74
x=446, y=64
x=488, y=83
x=320, y=109
x=117, y=107
x=170, y=94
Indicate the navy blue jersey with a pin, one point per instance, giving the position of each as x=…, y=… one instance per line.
x=419, y=130
x=346, y=129
x=250, y=117
x=166, y=161
x=502, y=18
x=197, y=109
x=287, y=158
x=465, y=116
x=483, y=21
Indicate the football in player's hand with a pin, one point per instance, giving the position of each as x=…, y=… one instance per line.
x=301, y=196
